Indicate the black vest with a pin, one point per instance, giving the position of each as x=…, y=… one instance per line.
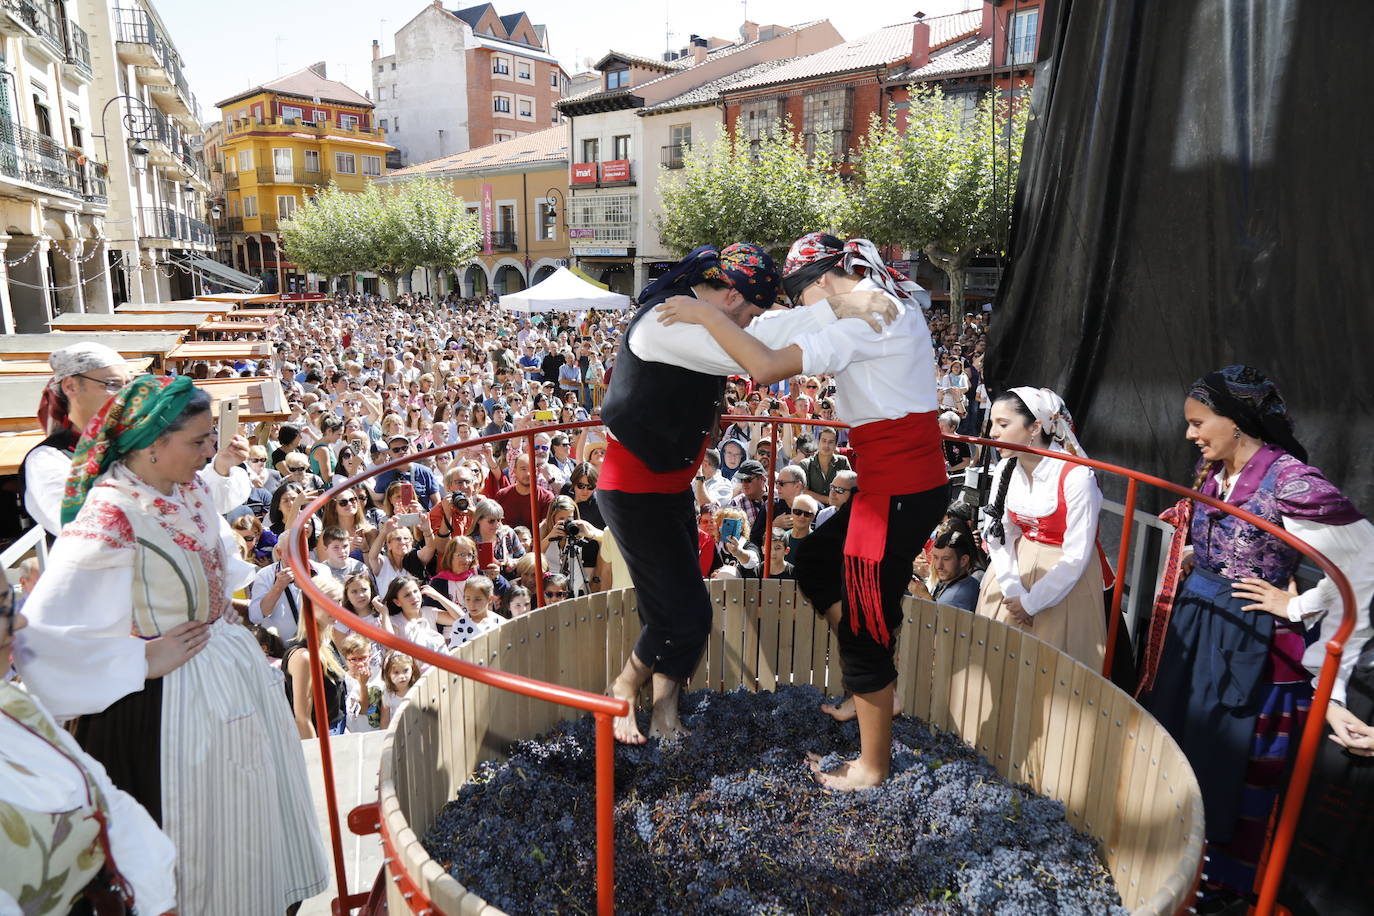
x=661, y=413
x=64, y=440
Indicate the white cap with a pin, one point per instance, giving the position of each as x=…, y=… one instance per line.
x=82, y=357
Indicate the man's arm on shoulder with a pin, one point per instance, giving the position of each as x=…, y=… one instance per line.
x=691, y=346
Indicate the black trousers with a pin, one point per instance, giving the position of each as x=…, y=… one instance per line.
x=866, y=663
x=657, y=536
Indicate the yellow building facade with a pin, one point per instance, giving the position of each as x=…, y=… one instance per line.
x=517, y=189
x=283, y=142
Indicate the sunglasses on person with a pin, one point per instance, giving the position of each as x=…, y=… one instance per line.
x=399, y=449
x=257, y=460
x=541, y=448
x=835, y=489
x=804, y=513
x=584, y=486
x=295, y=468
x=347, y=500
x=550, y=593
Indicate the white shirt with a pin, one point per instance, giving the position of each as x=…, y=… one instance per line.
x=1351, y=548
x=279, y=616
x=691, y=346
x=465, y=629
x=879, y=375
x=1038, y=495
x=718, y=490
x=45, y=478
x=40, y=778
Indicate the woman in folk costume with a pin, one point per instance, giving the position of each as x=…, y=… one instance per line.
x=128, y=634
x=1224, y=669
x=1041, y=530
x=855, y=567
x=73, y=843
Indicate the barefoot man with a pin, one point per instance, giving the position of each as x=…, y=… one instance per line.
x=664, y=400
x=856, y=566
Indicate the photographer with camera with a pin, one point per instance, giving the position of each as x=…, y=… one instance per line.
x=454, y=512
x=567, y=540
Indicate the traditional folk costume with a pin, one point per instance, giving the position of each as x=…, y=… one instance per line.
x=662, y=404
x=72, y=840
x=209, y=749
x=1043, y=546
x=1229, y=684
x=884, y=389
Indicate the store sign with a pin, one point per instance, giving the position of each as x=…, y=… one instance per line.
x=615, y=170
x=581, y=233
x=584, y=173
x=602, y=252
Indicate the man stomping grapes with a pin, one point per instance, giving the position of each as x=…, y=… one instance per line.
x=664, y=400
x=856, y=566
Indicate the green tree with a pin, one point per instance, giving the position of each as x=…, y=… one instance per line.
x=732, y=190
x=424, y=225
x=943, y=183
x=323, y=236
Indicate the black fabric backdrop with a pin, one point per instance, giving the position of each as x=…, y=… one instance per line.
x=1197, y=190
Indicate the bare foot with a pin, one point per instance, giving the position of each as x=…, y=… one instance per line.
x=848, y=778
x=666, y=723
x=844, y=711
x=626, y=727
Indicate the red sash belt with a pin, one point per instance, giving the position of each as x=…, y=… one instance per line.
x=898, y=457
x=622, y=470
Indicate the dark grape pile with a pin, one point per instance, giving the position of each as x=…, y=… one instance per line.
x=730, y=821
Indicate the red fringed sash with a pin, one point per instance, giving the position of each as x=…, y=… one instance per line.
x=898, y=456
x=1181, y=517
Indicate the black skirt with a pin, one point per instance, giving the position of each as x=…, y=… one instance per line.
x=127, y=740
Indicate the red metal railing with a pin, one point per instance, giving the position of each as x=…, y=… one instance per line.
x=604, y=708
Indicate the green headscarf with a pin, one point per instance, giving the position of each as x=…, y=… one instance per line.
x=131, y=420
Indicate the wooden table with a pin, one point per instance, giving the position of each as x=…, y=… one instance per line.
x=167, y=321
x=215, y=326
x=259, y=398
x=254, y=314
x=157, y=344
x=241, y=298
x=14, y=447
x=16, y=367
x=221, y=350
x=19, y=402
x=181, y=305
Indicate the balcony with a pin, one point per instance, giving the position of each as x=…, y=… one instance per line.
x=27, y=155
x=231, y=181
x=78, y=52
x=34, y=19
x=299, y=126
x=94, y=184
x=235, y=223
x=167, y=224
x=137, y=38
x=267, y=223
x=674, y=155
x=504, y=240
x=268, y=175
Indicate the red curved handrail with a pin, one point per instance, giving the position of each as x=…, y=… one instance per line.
x=603, y=707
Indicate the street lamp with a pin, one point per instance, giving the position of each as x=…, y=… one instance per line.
x=188, y=192
x=551, y=217
x=139, y=153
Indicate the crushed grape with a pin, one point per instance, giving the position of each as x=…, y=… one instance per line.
x=730, y=821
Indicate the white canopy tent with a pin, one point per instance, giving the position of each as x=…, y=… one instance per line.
x=563, y=291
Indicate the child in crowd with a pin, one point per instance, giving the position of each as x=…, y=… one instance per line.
x=516, y=602
x=364, y=702
x=479, y=617
x=335, y=546
x=398, y=676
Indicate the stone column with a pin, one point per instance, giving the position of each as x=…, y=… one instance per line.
x=98, y=290
x=6, y=310
x=67, y=275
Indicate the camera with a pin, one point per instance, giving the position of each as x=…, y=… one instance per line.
x=460, y=502
x=775, y=405
x=568, y=527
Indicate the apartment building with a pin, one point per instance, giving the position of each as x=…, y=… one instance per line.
x=517, y=190
x=282, y=141
x=53, y=178
x=616, y=154
x=459, y=79
x=148, y=120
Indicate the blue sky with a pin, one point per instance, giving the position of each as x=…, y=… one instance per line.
x=231, y=47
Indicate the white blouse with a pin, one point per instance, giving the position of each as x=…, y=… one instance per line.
x=1037, y=495
x=1351, y=548
x=40, y=778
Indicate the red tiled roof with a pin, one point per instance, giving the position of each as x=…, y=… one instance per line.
x=968, y=55
x=889, y=45
x=307, y=84
x=542, y=146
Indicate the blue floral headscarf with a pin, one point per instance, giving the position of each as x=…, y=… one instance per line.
x=743, y=266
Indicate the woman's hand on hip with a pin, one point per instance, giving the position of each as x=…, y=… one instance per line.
x=1264, y=597
x=175, y=648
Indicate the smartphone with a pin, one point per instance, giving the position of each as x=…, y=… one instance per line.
x=544, y=415
x=407, y=493
x=228, y=420
x=409, y=519
x=731, y=528
x=486, y=554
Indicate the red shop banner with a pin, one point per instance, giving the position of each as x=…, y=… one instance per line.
x=615, y=170
x=584, y=173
